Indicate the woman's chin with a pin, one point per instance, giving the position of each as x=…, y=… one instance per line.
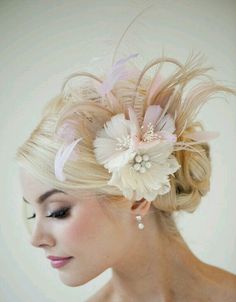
x=68, y=280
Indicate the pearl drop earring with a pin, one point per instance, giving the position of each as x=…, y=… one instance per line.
x=140, y=224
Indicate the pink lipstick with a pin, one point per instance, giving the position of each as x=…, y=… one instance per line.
x=58, y=262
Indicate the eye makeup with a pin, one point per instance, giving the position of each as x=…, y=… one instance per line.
x=59, y=214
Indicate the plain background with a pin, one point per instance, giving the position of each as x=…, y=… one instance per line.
x=42, y=42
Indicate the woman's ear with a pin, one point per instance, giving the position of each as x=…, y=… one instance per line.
x=140, y=207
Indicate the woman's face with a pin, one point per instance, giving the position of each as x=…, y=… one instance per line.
x=85, y=231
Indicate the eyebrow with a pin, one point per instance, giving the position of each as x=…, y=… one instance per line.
x=46, y=195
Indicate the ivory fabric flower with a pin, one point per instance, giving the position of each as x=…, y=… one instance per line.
x=138, y=156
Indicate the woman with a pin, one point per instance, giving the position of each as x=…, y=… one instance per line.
x=105, y=170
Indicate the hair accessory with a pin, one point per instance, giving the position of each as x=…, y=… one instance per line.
x=136, y=148
x=118, y=72
x=138, y=156
x=140, y=224
x=67, y=133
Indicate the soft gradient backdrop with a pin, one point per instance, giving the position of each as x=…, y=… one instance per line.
x=44, y=41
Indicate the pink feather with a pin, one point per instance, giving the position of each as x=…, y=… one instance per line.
x=203, y=135
x=118, y=72
x=67, y=131
x=62, y=156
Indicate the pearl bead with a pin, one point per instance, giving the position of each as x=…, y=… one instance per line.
x=148, y=164
x=145, y=157
x=143, y=163
x=140, y=226
x=137, y=167
x=142, y=170
x=138, y=158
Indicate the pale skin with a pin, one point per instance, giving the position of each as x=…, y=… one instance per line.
x=147, y=266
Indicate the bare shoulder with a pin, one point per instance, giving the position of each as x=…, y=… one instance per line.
x=223, y=284
x=103, y=295
x=220, y=285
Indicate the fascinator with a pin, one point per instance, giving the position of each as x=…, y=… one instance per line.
x=136, y=146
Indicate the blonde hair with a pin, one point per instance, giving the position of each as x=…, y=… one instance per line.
x=89, y=111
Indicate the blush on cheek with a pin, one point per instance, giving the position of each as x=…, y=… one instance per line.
x=87, y=233
x=85, y=223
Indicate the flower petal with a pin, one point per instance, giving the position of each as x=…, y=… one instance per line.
x=167, y=124
x=168, y=136
x=137, y=185
x=105, y=148
x=134, y=123
x=159, y=152
x=152, y=115
x=165, y=188
x=112, y=144
x=117, y=127
x=119, y=160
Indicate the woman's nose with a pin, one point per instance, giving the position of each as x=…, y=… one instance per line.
x=41, y=236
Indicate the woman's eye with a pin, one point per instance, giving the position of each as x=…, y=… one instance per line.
x=62, y=213
x=31, y=217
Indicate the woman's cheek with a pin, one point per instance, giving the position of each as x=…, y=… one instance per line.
x=84, y=225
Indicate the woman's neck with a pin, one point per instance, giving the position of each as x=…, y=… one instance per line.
x=156, y=268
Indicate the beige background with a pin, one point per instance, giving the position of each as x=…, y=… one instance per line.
x=41, y=43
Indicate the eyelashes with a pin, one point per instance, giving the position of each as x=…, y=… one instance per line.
x=31, y=217
x=60, y=214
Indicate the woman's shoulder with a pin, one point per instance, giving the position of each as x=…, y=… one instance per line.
x=221, y=283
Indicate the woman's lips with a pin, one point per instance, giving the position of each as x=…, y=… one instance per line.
x=60, y=263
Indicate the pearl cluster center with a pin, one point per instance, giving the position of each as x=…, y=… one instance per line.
x=141, y=163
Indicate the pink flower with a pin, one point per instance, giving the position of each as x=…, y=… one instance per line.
x=153, y=129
